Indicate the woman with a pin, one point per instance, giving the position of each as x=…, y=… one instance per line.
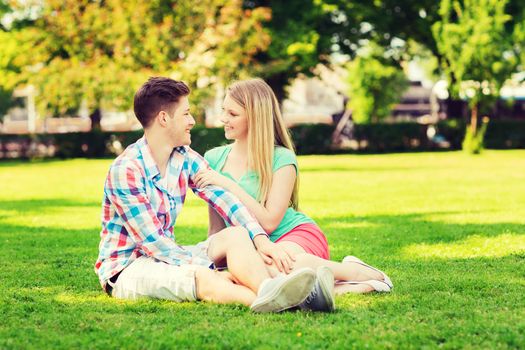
x=260, y=168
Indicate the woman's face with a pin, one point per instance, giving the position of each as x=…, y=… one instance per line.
x=235, y=120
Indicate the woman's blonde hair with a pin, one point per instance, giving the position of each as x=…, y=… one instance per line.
x=266, y=130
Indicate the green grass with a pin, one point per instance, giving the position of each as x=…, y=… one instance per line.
x=448, y=229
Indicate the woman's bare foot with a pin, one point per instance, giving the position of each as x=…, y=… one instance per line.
x=364, y=273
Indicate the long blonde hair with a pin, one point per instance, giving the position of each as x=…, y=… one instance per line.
x=266, y=130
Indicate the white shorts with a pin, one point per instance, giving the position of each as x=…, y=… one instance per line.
x=147, y=277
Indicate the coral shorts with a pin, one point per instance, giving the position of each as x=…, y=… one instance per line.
x=310, y=238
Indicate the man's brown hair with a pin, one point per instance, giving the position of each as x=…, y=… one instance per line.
x=157, y=94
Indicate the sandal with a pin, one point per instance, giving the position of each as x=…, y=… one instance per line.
x=386, y=279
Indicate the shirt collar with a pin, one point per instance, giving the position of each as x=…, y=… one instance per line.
x=152, y=170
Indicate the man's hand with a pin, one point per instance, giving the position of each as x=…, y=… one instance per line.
x=273, y=252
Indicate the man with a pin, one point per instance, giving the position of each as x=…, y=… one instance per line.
x=143, y=195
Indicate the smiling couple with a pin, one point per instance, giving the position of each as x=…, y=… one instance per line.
x=277, y=258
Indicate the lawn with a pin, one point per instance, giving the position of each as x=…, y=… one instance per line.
x=449, y=230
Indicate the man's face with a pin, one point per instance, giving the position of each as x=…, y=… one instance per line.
x=180, y=123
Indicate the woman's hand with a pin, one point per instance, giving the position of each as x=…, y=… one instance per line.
x=272, y=252
x=207, y=177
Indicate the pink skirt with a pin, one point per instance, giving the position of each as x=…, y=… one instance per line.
x=310, y=238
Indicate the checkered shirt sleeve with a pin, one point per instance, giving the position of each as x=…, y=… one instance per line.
x=227, y=205
x=126, y=190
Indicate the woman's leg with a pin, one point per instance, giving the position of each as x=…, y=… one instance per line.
x=339, y=288
x=341, y=271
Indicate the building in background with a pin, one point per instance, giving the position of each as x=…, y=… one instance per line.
x=320, y=99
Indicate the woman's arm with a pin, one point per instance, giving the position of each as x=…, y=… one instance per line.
x=215, y=222
x=268, y=215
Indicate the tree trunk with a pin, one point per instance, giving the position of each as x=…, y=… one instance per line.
x=474, y=119
x=95, y=117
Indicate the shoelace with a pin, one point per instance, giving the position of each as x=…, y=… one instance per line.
x=311, y=296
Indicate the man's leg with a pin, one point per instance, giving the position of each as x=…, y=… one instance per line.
x=150, y=278
x=244, y=262
x=246, y=265
x=212, y=287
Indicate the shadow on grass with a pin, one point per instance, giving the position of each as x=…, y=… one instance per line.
x=57, y=264
x=4, y=163
x=40, y=205
x=387, y=235
x=360, y=169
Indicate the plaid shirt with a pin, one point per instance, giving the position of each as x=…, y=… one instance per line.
x=140, y=209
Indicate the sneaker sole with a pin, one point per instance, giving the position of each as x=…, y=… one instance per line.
x=290, y=294
x=326, y=284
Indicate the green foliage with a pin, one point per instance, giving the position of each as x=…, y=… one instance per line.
x=100, y=52
x=399, y=137
x=308, y=139
x=455, y=256
x=415, y=23
x=374, y=87
x=453, y=130
x=519, y=41
x=302, y=34
x=6, y=102
x=505, y=134
x=407, y=20
x=312, y=138
x=472, y=37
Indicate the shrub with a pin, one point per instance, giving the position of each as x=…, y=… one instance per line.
x=308, y=139
x=505, y=134
x=312, y=138
x=391, y=137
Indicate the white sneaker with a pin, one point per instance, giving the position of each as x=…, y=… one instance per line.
x=284, y=291
x=322, y=297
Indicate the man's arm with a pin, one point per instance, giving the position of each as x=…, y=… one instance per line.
x=126, y=190
x=230, y=208
x=215, y=222
x=223, y=202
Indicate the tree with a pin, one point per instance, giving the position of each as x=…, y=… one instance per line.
x=375, y=86
x=99, y=52
x=385, y=21
x=9, y=21
x=473, y=38
x=301, y=35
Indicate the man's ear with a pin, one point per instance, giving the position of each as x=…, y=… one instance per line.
x=162, y=117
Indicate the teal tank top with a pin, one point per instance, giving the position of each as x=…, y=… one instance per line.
x=249, y=182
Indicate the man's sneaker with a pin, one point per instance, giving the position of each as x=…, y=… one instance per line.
x=321, y=298
x=284, y=291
